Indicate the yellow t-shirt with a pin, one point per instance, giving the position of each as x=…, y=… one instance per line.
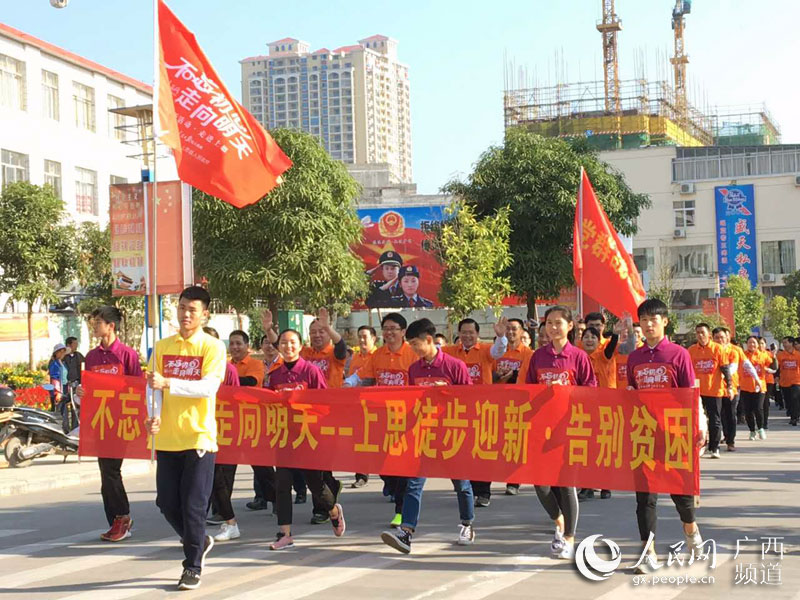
x=188, y=423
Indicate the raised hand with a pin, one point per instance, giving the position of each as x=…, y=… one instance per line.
x=501, y=327
x=266, y=319
x=324, y=318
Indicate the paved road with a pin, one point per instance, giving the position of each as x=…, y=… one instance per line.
x=49, y=546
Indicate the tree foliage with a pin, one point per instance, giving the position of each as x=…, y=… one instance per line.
x=781, y=317
x=537, y=178
x=292, y=247
x=475, y=253
x=713, y=320
x=37, y=248
x=792, y=283
x=748, y=304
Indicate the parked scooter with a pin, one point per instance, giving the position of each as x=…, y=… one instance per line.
x=29, y=433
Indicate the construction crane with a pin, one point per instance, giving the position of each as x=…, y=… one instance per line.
x=609, y=28
x=681, y=59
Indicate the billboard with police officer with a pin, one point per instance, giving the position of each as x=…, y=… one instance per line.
x=396, y=249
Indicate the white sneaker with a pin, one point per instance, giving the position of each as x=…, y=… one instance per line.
x=227, y=532
x=753, y=436
x=762, y=434
x=557, y=545
x=715, y=454
x=466, y=535
x=568, y=551
x=693, y=541
x=648, y=565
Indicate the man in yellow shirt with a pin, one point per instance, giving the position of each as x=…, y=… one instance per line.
x=187, y=368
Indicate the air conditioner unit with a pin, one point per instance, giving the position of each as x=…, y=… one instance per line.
x=687, y=188
x=797, y=180
x=768, y=278
x=679, y=233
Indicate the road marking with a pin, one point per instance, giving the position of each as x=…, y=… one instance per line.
x=25, y=550
x=11, y=532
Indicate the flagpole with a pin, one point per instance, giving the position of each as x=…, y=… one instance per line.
x=580, y=241
x=153, y=291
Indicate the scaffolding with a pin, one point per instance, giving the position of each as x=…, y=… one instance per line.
x=649, y=114
x=745, y=126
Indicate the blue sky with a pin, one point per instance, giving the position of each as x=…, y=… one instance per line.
x=741, y=52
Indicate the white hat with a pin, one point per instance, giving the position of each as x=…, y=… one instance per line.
x=58, y=347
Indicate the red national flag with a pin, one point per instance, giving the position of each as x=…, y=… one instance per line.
x=609, y=274
x=219, y=147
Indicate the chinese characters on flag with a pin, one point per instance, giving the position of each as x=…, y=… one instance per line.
x=563, y=436
x=219, y=146
x=609, y=275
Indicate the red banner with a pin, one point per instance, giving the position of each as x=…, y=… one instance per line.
x=722, y=307
x=565, y=436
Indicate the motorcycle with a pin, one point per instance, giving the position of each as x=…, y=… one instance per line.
x=29, y=433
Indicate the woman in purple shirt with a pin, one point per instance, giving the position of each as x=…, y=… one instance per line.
x=560, y=363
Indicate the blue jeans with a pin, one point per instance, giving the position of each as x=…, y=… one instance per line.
x=412, y=501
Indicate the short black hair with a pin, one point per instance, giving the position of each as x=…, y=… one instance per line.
x=787, y=337
x=593, y=331
x=369, y=328
x=467, y=322
x=241, y=333
x=441, y=335
x=717, y=330
x=109, y=314
x=69, y=340
x=595, y=316
x=294, y=331
x=652, y=307
x=520, y=321
x=421, y=328
x=211, y=331
x=701, y=325
x=195, y=292
x=395, y=318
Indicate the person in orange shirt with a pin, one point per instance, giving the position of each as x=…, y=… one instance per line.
x=621, y=358
x=388, y=366
x=754, y=388
x=737, y=364
x=541, y=337
x=711, y=369
x=366, y=347
x=511, y=368
x=602, y=356
x=479, y=358
x=770, y=379
x=789, y=364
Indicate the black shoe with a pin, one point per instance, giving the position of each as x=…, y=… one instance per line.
x=298, y=499
x=206, y=549
x=399, y=539
x=482, y=501
x=358, y=483
x=605, y=494
x=215, y=520
x=512, y=489
x=586, y=494
x=259, y=504
x=320, y=518
x=189, y=580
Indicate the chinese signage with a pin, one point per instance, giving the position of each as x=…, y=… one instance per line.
x=736, y=233
x=562, y=436
x=396, y=248
x=128, y=239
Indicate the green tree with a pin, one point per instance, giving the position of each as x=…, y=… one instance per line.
x=475, y=253
x=792, y=283
x=537, y=179
x=95, y=277
x=37, y=248
x=781, y=317
x=748, y=305
x=292, y=247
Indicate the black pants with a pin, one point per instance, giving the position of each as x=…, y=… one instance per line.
x=647, y=514
x=115, y=499
x=183, y=487
x=482, y=488
x=560, y=501
x=779, y=401
x=713, y=408
x=753, y=410
x=320, y=492
x=770, y=394
x=729, y=419
x=264, y=483
x=397, y=489
x=222, y=490
x=791, y=396
x=334, y=485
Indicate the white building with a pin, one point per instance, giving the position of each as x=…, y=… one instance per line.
x=681, y=229
x=55, y=126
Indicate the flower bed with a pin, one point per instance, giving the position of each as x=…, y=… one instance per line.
x=26, y=385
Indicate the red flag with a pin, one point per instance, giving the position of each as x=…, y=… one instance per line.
x=219, y=147
x=609, y=274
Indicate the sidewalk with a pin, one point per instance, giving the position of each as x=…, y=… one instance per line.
x=52, y=473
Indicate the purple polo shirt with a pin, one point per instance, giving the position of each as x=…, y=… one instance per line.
x=118, y=359
x=443, y=370
x=571, y=366
x=302, y=376
x=668, y=365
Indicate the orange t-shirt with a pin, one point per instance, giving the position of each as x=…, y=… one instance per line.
x=707, y=361
x=605, y=368
x=359, y=360
x=478, y=359
x=760, y=361
x=387, y=367
x=789, y=364
x=770, y=377
x=735, y=356
x=251, y=367
x=331, y=367
x=518, y=360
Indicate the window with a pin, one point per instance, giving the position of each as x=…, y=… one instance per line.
x=50, y=95
x=116, y=180
x=83, y=99
x=115, y=121
x=52, y=176
x=15, y=167
x=12, y=82
x=778, y=257
x=684, y=213
x=691, y=261
x=86, y=191
x=691, y=298
x=644, y=259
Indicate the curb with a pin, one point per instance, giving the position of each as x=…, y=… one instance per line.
x=130, y=468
